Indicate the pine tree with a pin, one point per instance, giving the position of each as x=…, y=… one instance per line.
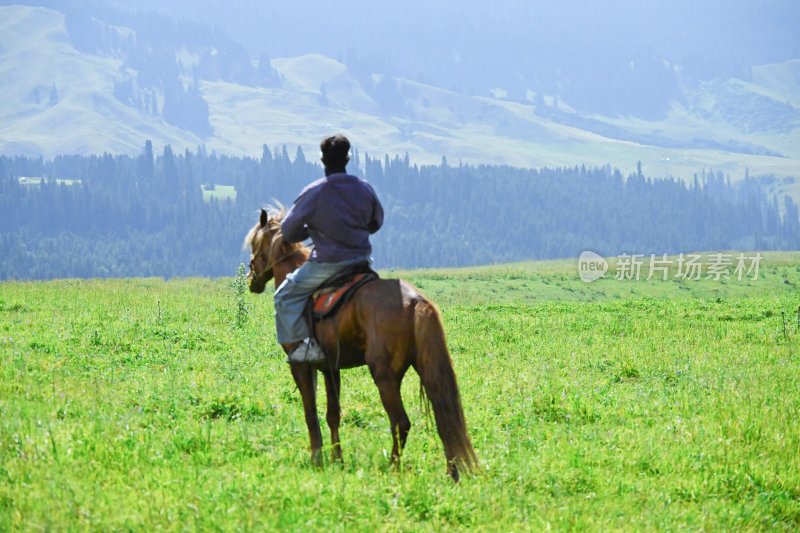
x=299, y=157
x=169, y=174
x=146, y=165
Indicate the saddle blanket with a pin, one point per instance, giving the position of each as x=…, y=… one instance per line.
x=328, y=298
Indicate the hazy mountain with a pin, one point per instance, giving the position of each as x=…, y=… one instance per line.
x=588, y=53
x=677, y=85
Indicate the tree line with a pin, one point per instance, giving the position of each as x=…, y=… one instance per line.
x=117, y=215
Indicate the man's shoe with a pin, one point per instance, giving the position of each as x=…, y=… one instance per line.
x=308, y=351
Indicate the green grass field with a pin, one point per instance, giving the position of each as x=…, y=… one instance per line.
x=141, y=404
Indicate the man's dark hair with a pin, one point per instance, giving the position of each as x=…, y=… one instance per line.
x=335, y=151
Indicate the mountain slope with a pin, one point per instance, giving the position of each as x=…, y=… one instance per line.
x=731, y=125
x=35, y=55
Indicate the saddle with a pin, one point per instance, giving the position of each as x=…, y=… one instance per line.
x=334, y=292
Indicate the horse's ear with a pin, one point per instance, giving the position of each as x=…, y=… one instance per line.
x=263, y=219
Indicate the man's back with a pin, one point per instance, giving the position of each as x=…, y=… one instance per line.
x=338, y=212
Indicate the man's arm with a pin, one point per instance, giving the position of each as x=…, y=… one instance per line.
x=377, y=214
x=294, y=227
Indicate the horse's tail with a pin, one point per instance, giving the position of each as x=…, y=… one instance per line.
x=439, y=383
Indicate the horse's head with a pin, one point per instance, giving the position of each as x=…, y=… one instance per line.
x=270, y=256
x=259, y=239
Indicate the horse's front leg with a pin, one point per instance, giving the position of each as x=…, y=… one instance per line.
x=333, y=415
x=305, y=376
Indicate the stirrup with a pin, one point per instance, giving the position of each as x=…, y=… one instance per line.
x=308, y=351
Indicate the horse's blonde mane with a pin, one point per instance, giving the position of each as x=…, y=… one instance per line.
x=256, y=235
x=276, y=211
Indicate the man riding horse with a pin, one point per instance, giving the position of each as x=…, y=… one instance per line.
x=386, y=324
x=338, y=212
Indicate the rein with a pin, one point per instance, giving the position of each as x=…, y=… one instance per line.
x=268, y=271
x=282, y=258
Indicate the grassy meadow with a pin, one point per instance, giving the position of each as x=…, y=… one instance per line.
x=143, y=404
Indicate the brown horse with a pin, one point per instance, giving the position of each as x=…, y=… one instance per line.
x=388, y=326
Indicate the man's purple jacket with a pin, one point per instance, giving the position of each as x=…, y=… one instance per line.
x=339, y=212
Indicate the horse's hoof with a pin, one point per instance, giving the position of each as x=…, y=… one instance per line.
x=453, y=471
x=316, y=459
x=336, y=453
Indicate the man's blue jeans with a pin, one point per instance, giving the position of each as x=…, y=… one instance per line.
x=292, y=295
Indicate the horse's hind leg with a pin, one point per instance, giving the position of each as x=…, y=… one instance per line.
x=306, y=379
x=333, y=415
x=388, y=383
